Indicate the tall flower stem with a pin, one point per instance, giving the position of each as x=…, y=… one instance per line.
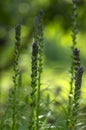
x=77, y=93
x=78, y=70
x=39, y=39
x=16, y=73
x=36, y=71
x=34, y=68
x=74, y=42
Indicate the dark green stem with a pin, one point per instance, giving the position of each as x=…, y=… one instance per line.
x=40, y=63
x=33, y=85
x=77, y=93
x=74, y=42
x=16, y=72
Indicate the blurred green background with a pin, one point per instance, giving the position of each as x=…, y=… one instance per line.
x=57, y=42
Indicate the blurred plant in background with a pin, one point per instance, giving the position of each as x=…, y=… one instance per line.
x=57, y=18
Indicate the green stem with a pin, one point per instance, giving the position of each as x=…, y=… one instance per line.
x=34, y=68
x=77, y=93
x=38, y=102
x=16, y=73
x=38, y=36
x=74, y=37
